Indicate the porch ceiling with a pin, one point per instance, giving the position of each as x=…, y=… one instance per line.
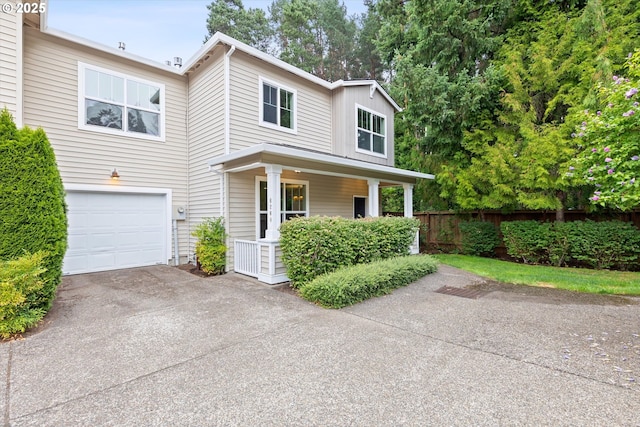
x=313, y=162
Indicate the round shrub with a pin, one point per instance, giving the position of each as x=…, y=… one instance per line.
x=211, y=249
x=32, y=208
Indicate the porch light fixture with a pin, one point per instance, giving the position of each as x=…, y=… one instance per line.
x=114, y=174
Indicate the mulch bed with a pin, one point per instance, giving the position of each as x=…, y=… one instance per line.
x=193, y=269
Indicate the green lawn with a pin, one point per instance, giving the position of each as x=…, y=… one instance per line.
x=575, y=279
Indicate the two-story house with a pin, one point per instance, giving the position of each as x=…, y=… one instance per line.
x=147, y=150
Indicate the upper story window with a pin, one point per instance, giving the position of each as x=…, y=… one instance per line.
x=277, y=106
x=118, y=104
x=371, y=132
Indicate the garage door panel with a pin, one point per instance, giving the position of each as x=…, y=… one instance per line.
x=132, y=258
x=101, y=261
x=115, y=230
x=101, y=242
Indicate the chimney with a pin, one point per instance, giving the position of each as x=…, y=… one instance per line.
x=177, y=62
x=121, y=45
x=168, y=62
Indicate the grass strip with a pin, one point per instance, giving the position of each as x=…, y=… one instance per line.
x=574, y=279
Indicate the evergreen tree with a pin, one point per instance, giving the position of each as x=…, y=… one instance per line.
x=250, y=26
x=32, y=208
x=316, y=36
x=365, y=62
x=437, y=54
x=552, y=59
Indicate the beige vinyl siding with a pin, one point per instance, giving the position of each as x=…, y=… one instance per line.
x=345, y=101
x=280, y=267
x=313, y=107
x=10, y=63
x=242, y=208
x=264, y=258
x=333, y=196
x=340, y=132
x=87, y=157
x=206, y=138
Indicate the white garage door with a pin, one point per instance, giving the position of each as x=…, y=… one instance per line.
x=108, y=231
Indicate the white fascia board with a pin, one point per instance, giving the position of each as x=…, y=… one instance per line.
x=220, y=38
x=111, y=50
x=316, y=157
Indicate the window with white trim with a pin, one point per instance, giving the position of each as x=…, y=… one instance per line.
x=294, y=202
x=119, y=104
x=371, y=132
x=277, y=106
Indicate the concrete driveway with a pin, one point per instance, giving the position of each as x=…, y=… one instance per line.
x=158, y=346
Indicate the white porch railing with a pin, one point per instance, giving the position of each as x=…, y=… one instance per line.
x=246, y=259
x=259, y=259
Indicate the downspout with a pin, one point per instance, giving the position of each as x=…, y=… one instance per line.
x=227, y=136
x=176, y=248
x=188, y=135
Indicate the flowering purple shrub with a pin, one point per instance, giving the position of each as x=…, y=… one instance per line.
x=610, y=139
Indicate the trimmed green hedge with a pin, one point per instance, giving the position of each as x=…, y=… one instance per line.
x=20, y=282
x=350, y=285
x=33, y=215
x=479, y=238
x=525, y=240
x=318, y=245
x=607, y=244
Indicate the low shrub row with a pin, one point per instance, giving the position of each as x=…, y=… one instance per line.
x=350, y=285
x=21, y=282
x=479, y=238
x=608, y=244
x=318, y=245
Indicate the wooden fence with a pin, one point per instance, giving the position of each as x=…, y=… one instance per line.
x=440, y=232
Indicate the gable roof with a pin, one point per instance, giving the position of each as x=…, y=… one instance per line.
x=222, y=39
x=218, y=39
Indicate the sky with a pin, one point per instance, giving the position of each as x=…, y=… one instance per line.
x=155, y=29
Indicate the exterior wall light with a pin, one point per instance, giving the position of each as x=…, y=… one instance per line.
x=114, y=174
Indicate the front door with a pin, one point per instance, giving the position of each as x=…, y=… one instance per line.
x=359, y=207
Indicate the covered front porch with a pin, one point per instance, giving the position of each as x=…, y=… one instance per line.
x=268, y=183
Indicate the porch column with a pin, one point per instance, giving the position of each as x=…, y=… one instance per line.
x=374, y=198
x=274, y=202
x=408, y=200
x=408, y=212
